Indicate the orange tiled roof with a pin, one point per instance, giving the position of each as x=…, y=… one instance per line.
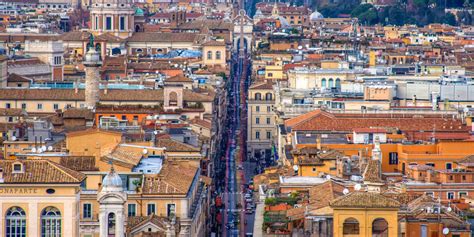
x=364, y=200
x=174, y=178
x=39, y=172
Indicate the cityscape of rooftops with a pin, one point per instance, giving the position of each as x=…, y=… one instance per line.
x=236, y=118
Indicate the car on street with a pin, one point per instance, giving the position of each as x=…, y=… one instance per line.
x=240, y=167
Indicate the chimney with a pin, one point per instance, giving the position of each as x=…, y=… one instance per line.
x=106, y=88
x=318, y=142
x=76, y=87
x=1, y=176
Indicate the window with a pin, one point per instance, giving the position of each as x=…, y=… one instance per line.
x=170, y=210
x=132, y=209
x=108, y=23
x=270, y=74
x=122, y=23
x=462, y=194
x=268, y=96
x=257, y=135
x=323, y=83
x=87, y=210
x=350, y=227
x=51, y=222
x=450, y=177
x=8, y=105
x=151, y=208
x=450, y=195
x=135, y=117
x=39, y=106
x=380, y=227
x=338, y=83
x=314, y=169
x=430, y=164
x=111, y=224
x=23, y=106
x=393, y=158
x=218, y=55
x=124, y=117
x=15, y=222
x=57, y=60
x=17, y=168
x=258, y=96
x=268, y=120
x=257, y=108
x=257, y=120
x=429, y=194
x=464, y=177
x=209, y=55
x=269, y=109
x=331, y=83
x=449, y=166
x=269, y=135
x=55, y=106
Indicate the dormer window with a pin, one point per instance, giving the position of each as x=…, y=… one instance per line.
x=17, y=167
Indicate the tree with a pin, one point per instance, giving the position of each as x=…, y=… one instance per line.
x=450, y=19
x=361, y=9
x=396, y=16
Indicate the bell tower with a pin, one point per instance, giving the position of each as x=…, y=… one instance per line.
x=112, y=199
x=112, y=16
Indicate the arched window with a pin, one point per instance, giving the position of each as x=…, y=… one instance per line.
x=379, y=228
x=331, y=83
x=209, y=55
x=51, y=222
x=15, y=222
x=218, y=55
x=338, y=83
x=258, y=96
x=350, y=227
x=173, y=99
x=111, y=224
x=268, y=96
x=323, y=83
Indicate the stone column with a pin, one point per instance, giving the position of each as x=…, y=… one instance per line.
x=92, y=86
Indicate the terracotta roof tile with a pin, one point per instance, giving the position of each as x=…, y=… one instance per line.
x=175, y=146
x=372, y=172
x=79, y=163
x=39, y=172
x=364, y=200
x=174, y=178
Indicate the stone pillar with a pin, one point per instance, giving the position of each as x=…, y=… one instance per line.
x=92, y=86
x=119, y=227
x=103, y=222
x=92, y=65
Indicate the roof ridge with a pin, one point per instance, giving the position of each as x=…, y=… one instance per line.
x=63, y=170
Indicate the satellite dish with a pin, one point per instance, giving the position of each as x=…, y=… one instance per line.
x=40, y=150
x=43, y=148
x=345, y=191
x=33, y=149
x=466, y=110
x=328, y=177
x=357, y=187
x=13, y=138
x=445, y=231
x=155, y=132
x=50, y=148
x=449, y=209
x=145, y=151
x=295, y=167
x=300, y=47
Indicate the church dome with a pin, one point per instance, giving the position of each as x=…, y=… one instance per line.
x=315, y=15
x=112, y=182
x=139, y=12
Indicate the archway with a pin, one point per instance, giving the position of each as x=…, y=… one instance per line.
x=116, y=51
x=350, y=227
x=380, y=228
x=268, y=96
x=173, y=98
x=258, y=96
x=111, y=224
x=331, y=83
x=51, y=222
x=15, y=222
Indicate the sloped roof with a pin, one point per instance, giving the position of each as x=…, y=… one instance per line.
x=39, y=172
x=324, y=121
x=111, y=95
x=320, y=195
x=79, y=163
x=17, y=78
x=364, y=200
x=174, y=178
x=175, y=146
x=265, y=85
x=163, y=37
x=372, y=172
